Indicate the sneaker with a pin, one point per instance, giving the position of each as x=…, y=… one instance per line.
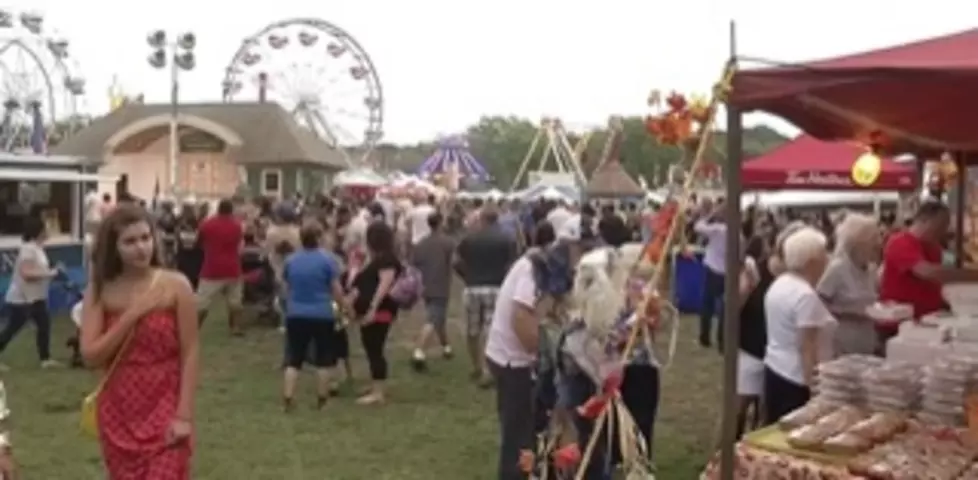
x=51, y=364
x=418, y=361
x=447, y=352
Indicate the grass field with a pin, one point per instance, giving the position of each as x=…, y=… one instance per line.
x=437, y=425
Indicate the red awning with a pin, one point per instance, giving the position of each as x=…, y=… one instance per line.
x=922, y=95
x=806, y=163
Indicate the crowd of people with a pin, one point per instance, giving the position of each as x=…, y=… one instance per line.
x=532, y=275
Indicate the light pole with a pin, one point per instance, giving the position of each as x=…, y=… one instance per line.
x=178, y=55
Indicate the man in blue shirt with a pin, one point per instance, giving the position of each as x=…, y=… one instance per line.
x=312, y=283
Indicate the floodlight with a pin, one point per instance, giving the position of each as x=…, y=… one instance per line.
x=187, y=41
x=156, y=39
x=158, y=58
x=185, y=60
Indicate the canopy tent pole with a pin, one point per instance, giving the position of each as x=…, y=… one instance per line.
x=731, y=310
x=961, y=205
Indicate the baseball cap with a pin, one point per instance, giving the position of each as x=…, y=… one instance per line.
x=570, y=230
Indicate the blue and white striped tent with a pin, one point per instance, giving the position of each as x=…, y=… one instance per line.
x=453, y=152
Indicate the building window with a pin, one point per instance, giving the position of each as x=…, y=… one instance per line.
x=300, y=184
x=49, y=201
x=271, y=182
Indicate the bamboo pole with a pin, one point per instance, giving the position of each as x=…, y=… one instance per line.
x=705, y=133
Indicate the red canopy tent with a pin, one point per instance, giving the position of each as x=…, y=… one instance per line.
x=809, y=163
x=920, y=95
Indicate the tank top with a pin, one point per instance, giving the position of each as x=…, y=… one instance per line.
x=753, y=323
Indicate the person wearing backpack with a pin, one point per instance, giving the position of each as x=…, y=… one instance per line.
x=373, y=306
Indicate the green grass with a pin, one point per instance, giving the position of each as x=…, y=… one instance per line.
x=437, y=425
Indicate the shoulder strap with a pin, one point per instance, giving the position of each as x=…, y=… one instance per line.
x=125, y=343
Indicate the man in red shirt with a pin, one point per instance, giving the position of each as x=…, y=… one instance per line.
x=912, y=268
x=220, y=238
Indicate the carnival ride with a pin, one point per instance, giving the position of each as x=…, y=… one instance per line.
x=551, y=142
x=451, y=163
x=40, y=84
x=320, y=74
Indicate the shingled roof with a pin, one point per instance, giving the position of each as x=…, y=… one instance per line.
x=611, y=180
x=269, y=133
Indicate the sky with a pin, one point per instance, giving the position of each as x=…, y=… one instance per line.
x=445, y=63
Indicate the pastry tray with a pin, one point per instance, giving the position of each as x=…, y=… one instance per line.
x=775, y=440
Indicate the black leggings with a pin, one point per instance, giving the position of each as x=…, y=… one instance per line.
x=320, y=332
x=374, y=338
x=782, y=396
x=19, y=315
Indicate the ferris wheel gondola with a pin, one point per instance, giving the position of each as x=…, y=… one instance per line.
x=40, y=87
x=317, y=72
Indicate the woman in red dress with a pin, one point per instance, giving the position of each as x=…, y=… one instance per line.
x=148, y=317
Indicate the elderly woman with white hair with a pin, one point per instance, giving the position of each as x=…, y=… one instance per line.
x=849, y=284
x=800, y=329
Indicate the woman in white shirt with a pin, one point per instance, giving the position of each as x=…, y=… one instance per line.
x=800, y=328
x=27, y=296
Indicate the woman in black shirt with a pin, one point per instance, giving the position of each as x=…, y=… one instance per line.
x=755, y=279
x=373, y=305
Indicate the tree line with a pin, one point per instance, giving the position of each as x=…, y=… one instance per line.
x=501, y=143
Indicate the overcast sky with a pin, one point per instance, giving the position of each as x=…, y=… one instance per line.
x=443, y=63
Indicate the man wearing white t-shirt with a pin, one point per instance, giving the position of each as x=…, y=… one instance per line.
x=511, y=352
x=800, y=329
x=418, y=219
x=558, y=216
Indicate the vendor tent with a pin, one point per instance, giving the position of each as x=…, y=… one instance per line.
x=809, y=163
x=919, y=95
x=611, y=180
x=359, y=177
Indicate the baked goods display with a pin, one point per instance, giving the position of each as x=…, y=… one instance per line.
x=919, y=454
x=844, y=430
x=840, y=381
x=807, y=415
x=892, y=386
x=946, y=383
x=886, y=420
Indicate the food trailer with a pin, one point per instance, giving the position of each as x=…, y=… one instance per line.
x=52, y=188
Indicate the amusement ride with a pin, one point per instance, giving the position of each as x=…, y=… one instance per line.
x=40, y=84
x=320, y=74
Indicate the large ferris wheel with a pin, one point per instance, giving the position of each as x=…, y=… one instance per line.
x=320, y=74
x=40, y=84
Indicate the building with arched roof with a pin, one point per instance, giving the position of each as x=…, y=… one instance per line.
x=222, y=147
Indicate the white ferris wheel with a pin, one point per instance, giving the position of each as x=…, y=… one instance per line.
x=40, y=84
x=317, y=72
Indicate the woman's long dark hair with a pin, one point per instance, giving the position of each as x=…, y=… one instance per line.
x=106, y=261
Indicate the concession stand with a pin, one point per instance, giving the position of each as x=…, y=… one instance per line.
x=871, y=418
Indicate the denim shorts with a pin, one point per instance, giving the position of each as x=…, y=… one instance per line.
x=436, y=310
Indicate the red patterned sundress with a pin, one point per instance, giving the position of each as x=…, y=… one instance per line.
x=138, y=403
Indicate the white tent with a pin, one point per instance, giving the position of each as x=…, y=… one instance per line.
x=817, y=198
x=366, y=177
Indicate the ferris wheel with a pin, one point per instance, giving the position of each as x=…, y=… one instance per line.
x=317, y=72
x=40, y=86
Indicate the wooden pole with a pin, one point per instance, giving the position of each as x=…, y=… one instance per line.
x=731, y=317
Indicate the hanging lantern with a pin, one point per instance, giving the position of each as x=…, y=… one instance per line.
x=867, y=169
